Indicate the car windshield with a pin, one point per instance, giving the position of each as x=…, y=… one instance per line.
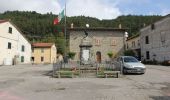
x=130, y=59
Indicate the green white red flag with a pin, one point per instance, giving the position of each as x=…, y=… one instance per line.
x=59, y=18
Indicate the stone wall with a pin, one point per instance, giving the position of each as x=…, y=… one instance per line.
x=103, y=41
x=159, y=40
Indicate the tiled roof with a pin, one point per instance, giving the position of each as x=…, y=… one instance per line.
x=132, y=37
x=42, y=44
x=96, y=29
x=2, y=21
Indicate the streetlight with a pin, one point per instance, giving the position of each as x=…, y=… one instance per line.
x=124, y=42
x=126, y=35
x=87, y=25
x=125, y=38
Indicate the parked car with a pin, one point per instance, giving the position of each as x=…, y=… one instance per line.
x=131, y=65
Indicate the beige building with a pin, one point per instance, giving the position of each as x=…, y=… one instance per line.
x=94, y=43
x=43, y=53
x=133, y=43
x=14, y=47
x=155, y=40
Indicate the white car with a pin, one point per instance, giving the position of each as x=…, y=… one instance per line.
x=131, y=65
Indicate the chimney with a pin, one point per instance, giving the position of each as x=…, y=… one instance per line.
x=72, y=25
x=120, y=26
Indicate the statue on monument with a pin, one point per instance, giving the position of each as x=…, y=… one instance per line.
x=86, y=33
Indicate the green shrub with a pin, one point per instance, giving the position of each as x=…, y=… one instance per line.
x=151, y=62
x=129, y=53
x=71, y=55
x=110, y=54
x=166, y=63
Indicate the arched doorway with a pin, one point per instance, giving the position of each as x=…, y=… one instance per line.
x=98, y=56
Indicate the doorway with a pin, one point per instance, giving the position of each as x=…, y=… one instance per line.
x=98, y=56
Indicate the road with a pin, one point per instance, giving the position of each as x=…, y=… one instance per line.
x=27, y=82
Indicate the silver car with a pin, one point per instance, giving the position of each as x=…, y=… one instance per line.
x=131, y=65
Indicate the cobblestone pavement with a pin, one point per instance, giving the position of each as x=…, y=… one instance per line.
x=27, y=82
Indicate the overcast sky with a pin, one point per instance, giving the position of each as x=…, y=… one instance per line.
x=102, y=9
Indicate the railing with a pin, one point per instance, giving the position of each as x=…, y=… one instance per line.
x=75, y=65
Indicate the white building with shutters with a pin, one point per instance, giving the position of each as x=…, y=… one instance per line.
x=14, y=47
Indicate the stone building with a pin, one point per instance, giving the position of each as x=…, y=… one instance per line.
x=155, y=40
x=133, y=43
x=93, y=44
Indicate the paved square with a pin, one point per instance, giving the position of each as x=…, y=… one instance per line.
x=27, y=82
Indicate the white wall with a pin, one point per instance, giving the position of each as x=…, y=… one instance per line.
x=16, y=40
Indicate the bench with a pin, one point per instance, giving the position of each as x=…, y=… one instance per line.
x=67, y=74
x=108, y=73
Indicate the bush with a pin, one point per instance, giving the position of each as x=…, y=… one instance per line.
x=151, y=62
x=129, y=53
x=166, y=63
x=110, y=54
x=71, y=55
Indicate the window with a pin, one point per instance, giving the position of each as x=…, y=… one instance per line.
x=133, y=44
x=23, y=48
x=97, y=42
x=10, y=30
x=22, y=58
x=163, y=36
x=32, y=59
x=42, y=59
x=42, y=50
x=113, y=43
x=147, y=55
x=152, y=26
x=9, y=45
x=138, y=43
x=127, y=46
x=147, y=39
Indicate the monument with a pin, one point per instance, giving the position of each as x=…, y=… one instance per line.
x=85, y=49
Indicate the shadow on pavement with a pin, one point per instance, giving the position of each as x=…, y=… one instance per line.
x=160, y=97
x=48, y=73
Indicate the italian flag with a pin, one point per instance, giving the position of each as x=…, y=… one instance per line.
x=58, y=19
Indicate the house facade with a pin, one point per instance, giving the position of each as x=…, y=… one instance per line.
x=43, y=53
x=133, y=43
x=93, y=44
x=155, y=41
x=14, y=47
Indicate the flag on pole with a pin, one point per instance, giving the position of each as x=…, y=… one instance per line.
x=58, y=19
x=61, y=15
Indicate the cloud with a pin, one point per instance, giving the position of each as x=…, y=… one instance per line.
x=40, y=6
x=93, y=8
x=165, y=11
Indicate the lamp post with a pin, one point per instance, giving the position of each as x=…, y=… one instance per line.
x=125, y=38
x=124, y=43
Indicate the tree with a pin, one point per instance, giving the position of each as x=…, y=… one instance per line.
x=129, y=53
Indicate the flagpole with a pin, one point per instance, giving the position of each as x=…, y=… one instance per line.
x=65, y=28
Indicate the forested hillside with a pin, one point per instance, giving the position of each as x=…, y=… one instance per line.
x=39, y=27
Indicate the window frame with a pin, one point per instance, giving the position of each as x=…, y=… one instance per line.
x=147, y=55
x=42, y=59
x=23, y=48
x=9, y=45
x=147, y=39
x=22, y=59
x=10, y=30
x=42, y=50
